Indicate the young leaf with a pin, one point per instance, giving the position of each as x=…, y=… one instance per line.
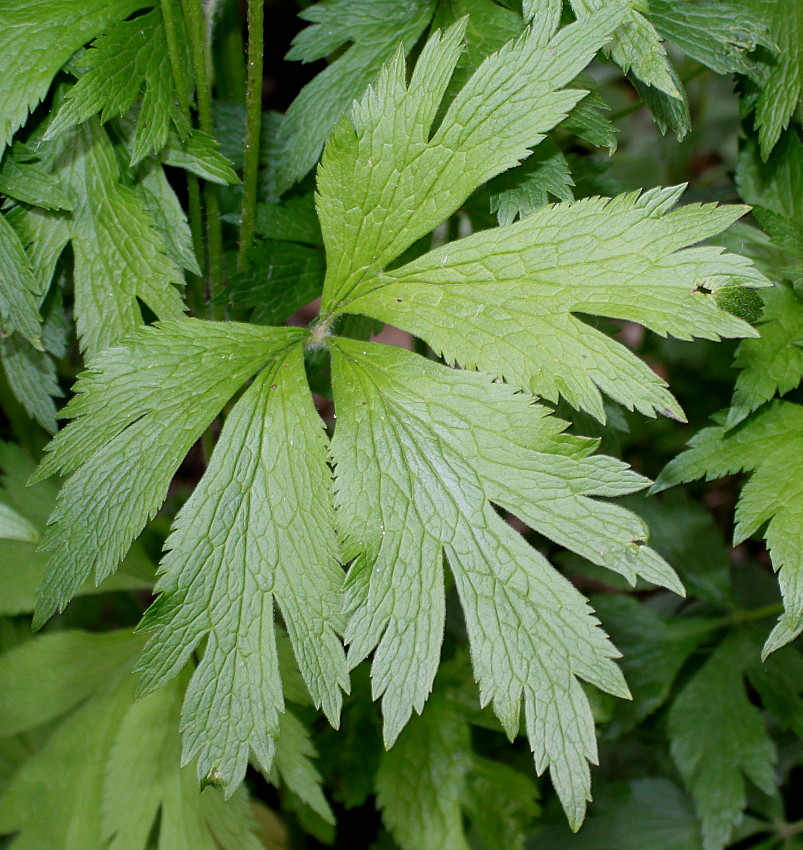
x=269, y=539
x=421, y=452
x=199, y=154
x=22, y=179
x=138, y=410
x=373, y=31
x=36, y=38
x=718, y=738
x=769, y=446
x=129, y=57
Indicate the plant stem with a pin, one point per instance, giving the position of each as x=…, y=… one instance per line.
x=253, y=116
x=197, y=35
x=171, y=24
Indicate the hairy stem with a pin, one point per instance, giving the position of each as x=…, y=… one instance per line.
x=253, y=115
x=203, y=93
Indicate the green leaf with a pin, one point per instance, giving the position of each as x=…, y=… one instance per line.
x=22, y=179
x=504, y=300
x=422, y=780
x=772, y=364
x=372, y=32
x=143, y=781
x=120, y=258
x=65, y=779
x=777, y=79
x=281, y=278
x=523, y=190
x=36, y=39
x=200, y=155
x=769, y=446
x=129, y=58
x=653, y=651
x=270, y=539
x=46, y=677
x=294, y=766
x=416, y=481
x=636, y=47
x=22, y=567
x=13, y=526
x=717, y=739
x=508, y=821
x=384, y=183
x=718, y=33
x=110, y=771
x=19, y=293
x=138, y=410
x=167, y=215
x=648, y=812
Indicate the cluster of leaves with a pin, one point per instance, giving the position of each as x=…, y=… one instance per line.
x=445, y=131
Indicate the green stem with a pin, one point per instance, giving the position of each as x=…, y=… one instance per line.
x=171, y=23
x=196, y=28
x=253, y=115
x=738, y=618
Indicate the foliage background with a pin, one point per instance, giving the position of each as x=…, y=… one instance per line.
x=707, y=755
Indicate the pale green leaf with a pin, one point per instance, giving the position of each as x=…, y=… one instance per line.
x=372, y=32
x=144, y=780
x=504, y=300
x=32, y=377
x=22, y=179
x=129, y=58
x=36, y=38
x=265, y=505
x=138, y=409
x=46, y=677
x=422, y=780
x=167, y=215
x=386, y=179
x=415, y=482
x=717, y=739
x=54, y=800
x=770, y=446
